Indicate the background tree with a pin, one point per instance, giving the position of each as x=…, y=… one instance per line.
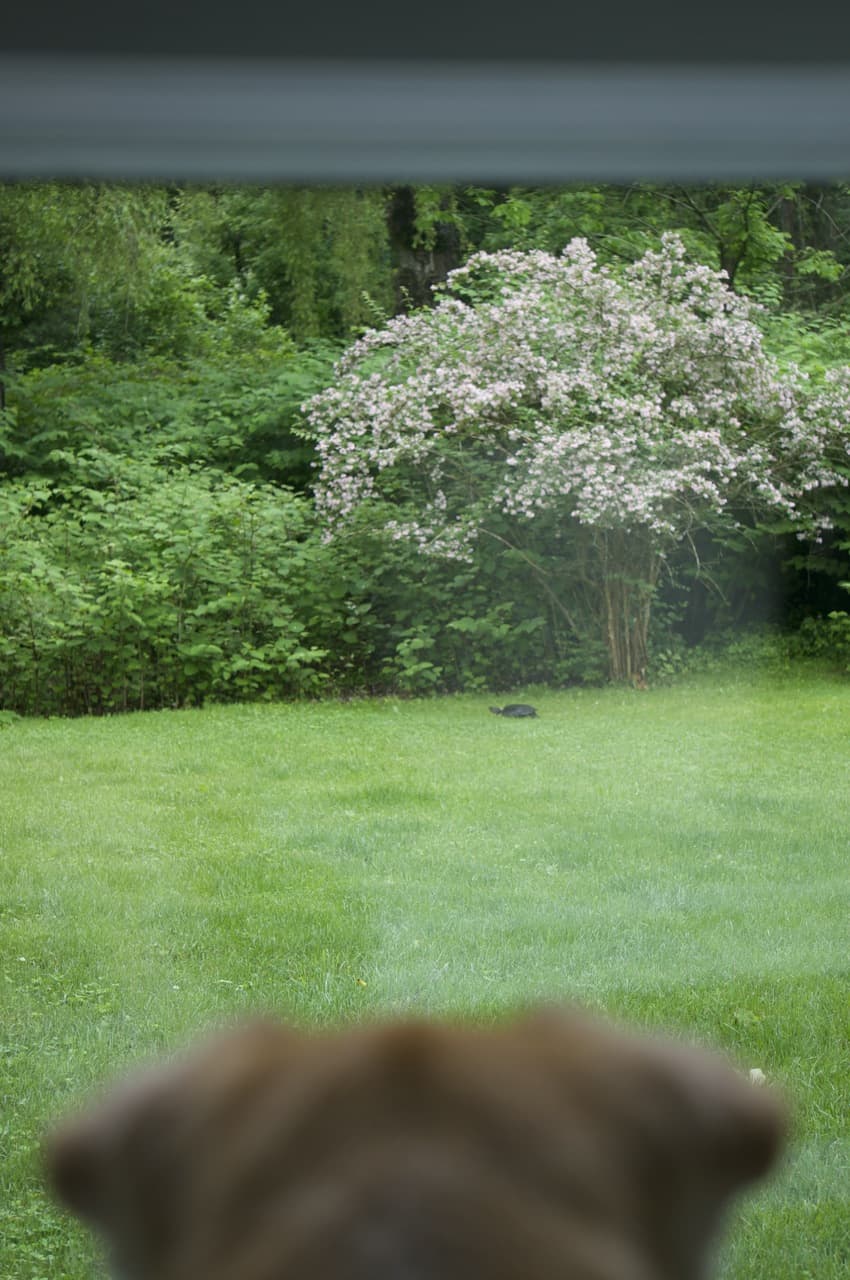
x=76, y=261
x=320, y=256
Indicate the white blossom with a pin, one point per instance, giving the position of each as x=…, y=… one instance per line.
x=640, y=400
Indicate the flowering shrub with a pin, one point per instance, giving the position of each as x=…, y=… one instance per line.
x=549, y=400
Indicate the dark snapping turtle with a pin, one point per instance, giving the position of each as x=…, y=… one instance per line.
x=517, y=710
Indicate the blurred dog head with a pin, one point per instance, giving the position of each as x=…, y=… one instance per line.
x=553, y=1146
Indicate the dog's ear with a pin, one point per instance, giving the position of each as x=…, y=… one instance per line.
x=86, y=1155
x=673, y=1098
x=74, y=1158
x=679, y=1129
x=709, y=1133
x=736, y=1127
x=117, y=1166
x=126, y=1163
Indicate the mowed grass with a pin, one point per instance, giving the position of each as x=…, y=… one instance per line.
x=677, y=858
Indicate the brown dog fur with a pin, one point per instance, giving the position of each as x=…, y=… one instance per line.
x=554, y=1146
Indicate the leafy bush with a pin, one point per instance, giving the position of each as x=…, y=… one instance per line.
x=132, y=584
x=826, y=638
x=765, y=650
x=165, y=589
x=235, y=407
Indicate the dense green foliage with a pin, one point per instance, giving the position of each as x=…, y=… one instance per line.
x=158, y=540
x=144, y=587
x=664, y=858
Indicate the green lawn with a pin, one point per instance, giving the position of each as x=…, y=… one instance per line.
x=677, y=857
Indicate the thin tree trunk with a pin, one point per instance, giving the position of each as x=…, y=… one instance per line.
x=626, y=584
x=418, y=268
